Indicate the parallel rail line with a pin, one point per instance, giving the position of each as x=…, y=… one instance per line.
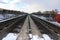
x=48, y=27
x=10, y=25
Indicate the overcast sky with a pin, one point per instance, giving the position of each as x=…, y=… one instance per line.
x=30, y=5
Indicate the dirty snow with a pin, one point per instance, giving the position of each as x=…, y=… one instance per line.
x=13, y=36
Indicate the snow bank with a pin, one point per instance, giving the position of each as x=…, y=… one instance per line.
x=35, y=37
x=46, y=37
x=10, y=36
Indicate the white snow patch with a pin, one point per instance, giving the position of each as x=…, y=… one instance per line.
x=56, y=23
x=30, y=35
x=2, y=17
x=10, y=36
x=35, y=37
x=46, y=37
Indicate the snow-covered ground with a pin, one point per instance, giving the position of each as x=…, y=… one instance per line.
x=13, y=36
x=6, y=16
x=56, y=23
x=44, y=37
x=44, y=18
x=2, y=17
x=10, y=36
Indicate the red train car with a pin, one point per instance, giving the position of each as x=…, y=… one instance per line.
x=57, y=18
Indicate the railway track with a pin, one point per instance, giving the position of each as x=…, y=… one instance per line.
x=23, y=35
x=31, y=26
x=10, y=25
x=29, y=30
x=53, y=31
x=36, y=28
